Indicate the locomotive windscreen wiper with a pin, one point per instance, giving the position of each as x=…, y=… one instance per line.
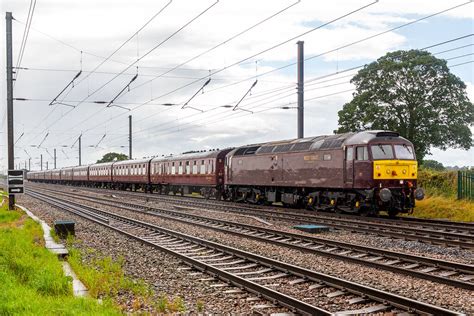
x=381, y=148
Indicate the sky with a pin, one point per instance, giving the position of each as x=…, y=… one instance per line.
x=181, y=44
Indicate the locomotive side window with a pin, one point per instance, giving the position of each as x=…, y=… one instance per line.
x=327, y=157
x=380, y=152
x=362, y=153
x=350, y=154
x=404, y=152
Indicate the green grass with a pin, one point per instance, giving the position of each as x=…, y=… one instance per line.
x=436, y=206
x=31, y=278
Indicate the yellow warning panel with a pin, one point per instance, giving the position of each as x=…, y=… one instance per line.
x=395, y=169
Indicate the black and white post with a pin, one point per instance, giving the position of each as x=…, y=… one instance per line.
x=300, y=87
x=11, y=148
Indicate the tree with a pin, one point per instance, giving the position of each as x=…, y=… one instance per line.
x=433, y=165
x=108, y=157
x=415, y=94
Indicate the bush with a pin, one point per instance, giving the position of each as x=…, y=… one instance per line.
x=441, y=183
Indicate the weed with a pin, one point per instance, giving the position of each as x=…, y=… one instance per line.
x=199, y=306
x=161, y=305
x=177, y=305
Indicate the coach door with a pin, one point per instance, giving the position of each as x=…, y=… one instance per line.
x=349, y=167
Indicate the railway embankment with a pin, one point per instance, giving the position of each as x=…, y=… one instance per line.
x=33, y=281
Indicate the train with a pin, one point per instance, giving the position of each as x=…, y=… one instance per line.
x=365, y=173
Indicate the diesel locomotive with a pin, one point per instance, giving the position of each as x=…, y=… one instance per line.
x=364, y=172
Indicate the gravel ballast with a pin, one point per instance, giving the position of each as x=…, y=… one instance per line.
x=433, y=293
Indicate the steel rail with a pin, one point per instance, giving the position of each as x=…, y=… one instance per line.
x=367, y=256
x=364, y=291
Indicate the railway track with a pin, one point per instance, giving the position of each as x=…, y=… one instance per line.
x=460, y=236
x=441, y=271
x=301, y=290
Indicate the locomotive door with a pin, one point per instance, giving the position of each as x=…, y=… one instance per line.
x=349, y=167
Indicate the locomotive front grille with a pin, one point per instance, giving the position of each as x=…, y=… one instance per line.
x=395, y=169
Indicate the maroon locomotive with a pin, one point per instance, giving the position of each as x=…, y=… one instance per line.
x=363, y=172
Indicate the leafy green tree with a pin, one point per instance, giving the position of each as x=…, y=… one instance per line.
x=415, y=94
x=108, y=157
x=433, y=165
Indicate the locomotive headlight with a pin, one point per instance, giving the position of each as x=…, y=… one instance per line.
x=404, y=171
x=388, y=171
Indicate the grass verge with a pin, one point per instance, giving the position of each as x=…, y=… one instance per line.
x=441, y=200
x=32, y=280
x=447, y=207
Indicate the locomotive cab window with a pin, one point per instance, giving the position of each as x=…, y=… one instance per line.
x=381, y=152
x=362, y=153
x=404, y=152
x=327, y=157
x=349, y=153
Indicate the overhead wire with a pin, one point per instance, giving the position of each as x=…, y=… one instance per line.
x=140, y=58
x=24, y=40
x=256, y=54
x=224, y=42
x=306, y=90
x=360, y=66
x=109, y=56
x=320, y=54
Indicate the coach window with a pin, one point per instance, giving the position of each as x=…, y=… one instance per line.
x=362, y=153
x=195, y=167
x=180, y=168
x=188, y=168
x=327, y=157
x=211, y=166
x=203, y=167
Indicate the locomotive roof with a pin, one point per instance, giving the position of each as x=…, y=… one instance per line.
x=315, y=142
x=366, y=136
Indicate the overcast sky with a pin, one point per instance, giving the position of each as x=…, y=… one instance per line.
x=62, y=29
